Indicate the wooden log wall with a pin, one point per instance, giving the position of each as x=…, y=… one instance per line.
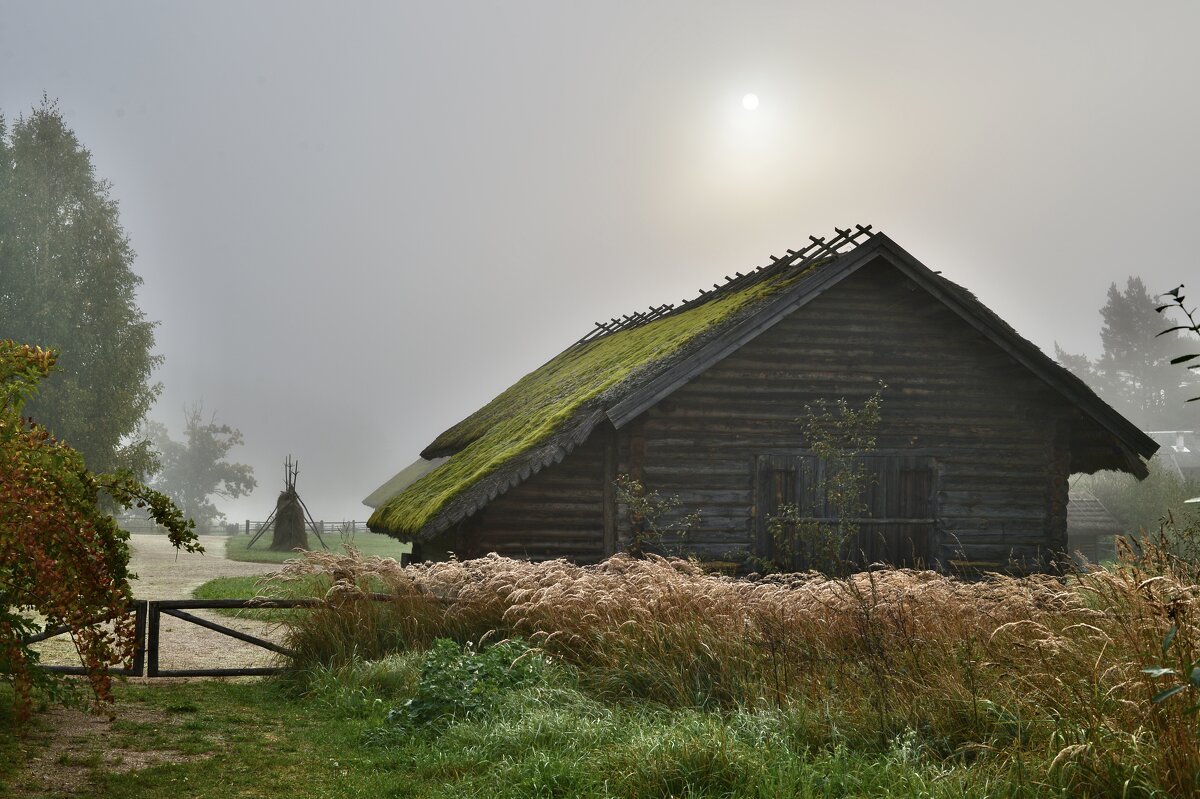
x=557, y=513
x=998, y=436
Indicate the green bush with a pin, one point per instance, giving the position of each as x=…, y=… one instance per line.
x=460, y=681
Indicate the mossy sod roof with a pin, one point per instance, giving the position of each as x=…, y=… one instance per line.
x=553, y=400
x=619, y=368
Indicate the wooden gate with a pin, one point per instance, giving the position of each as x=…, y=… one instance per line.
x=147, y=628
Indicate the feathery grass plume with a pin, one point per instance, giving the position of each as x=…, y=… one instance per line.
x=1045, y=675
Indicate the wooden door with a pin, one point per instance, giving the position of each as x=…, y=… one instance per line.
x=897, y=527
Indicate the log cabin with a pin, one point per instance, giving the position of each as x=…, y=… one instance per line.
x=701, y=401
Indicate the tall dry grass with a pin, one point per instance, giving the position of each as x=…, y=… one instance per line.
x=1039, y=668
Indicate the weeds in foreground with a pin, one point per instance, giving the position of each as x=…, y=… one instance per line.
x=545, y=738
x=1054, y=677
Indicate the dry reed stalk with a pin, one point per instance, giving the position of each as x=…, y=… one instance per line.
x=1003, y=662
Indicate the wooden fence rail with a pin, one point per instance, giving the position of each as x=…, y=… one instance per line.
x=146, y=526
x=147, y=626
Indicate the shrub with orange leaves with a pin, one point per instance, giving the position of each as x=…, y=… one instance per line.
x=63, y=559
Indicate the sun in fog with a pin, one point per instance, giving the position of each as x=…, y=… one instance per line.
x=750, y=102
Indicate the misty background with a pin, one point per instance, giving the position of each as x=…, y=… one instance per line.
x=357, y=223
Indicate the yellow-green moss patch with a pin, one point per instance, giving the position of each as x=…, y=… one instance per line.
x=536, y=407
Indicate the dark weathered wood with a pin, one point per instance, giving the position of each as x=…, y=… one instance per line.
x=964, y=398
x=66, y=628
x=153, y=637
x=229, y=631
x=265, y=526
x=610, y=492
x=147, y=632
x=558, y=512
x=257, y=602
x=807, y=289
x=952, y=397
x=253, y=671
x=137, y=662
x=898, y=495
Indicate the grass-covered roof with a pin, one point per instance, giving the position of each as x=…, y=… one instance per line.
x=554, y=408
x=550, y=410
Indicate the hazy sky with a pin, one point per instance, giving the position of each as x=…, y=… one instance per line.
x=357, y=222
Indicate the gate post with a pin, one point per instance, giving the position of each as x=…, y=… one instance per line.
x=152, y=638
x=138, y=666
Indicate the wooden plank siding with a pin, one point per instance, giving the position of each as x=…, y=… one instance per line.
x=997, y=437
x=557, y=513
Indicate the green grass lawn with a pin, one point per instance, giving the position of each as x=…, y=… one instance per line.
x=264, y=739
x=383, y=546
x=251, y=586
x=245, y=587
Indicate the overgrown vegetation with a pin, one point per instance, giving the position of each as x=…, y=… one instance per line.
x=648, y=512
x=1140, y=505
x=209, y=740
x=646, y=677
x=838, y=438
x=63, y=560
x=460, y=682
x=1047, y=683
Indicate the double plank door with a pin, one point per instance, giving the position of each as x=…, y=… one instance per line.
x=897, y=524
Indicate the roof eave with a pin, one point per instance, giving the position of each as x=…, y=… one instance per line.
x=509, y=476
x=1132, y=443
x=1028, y=355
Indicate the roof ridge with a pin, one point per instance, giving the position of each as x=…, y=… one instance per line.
x=843, y=242
x=544, y=415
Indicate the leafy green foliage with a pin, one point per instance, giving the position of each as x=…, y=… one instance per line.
x=67, y=283
x=1191, y=326
x=839, y=437
x=460, y=681
x=1187, y=670
x=194, y=470
x=649, y=530
x=61, y=556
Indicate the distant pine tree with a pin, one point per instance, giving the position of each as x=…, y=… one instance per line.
x=1134, y=374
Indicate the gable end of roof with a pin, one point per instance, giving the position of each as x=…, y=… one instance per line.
x=619, y=371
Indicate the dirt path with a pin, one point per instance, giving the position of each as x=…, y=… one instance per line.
x=165, y=573
x=74, y=743
x=69, y=745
